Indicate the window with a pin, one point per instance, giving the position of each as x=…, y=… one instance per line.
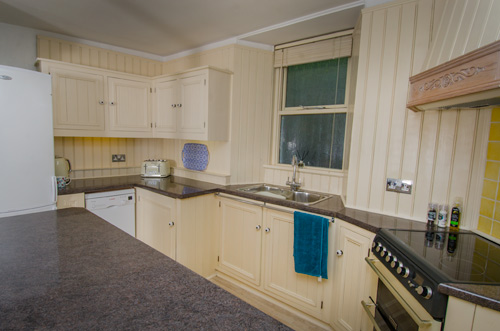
x=312, y=112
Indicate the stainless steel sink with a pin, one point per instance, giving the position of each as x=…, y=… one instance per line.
x=306, y=198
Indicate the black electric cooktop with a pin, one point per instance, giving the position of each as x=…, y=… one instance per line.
x=451, y=256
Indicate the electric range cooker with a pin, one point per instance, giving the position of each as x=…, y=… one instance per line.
x=421, y=260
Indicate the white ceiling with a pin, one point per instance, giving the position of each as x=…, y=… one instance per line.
x=167, y=27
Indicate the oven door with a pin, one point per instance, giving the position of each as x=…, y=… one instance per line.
x=395, y=307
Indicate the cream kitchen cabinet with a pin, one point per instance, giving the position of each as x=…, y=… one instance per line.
x=165, y=107
x=193, y=105
x=155, y=221
x=464, y=315
x=91, y=102
x=240, y=240
x=281, y=281
x=353, y=279
x=71, y=200
x=256, y=242
x=78, y=101
x=129, y=107
x=196, y=234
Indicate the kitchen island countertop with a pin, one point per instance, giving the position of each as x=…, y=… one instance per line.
x=69, y=269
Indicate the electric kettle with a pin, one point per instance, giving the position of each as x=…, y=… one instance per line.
x=62, y=167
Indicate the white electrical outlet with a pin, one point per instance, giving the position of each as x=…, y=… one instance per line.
x=399, y=185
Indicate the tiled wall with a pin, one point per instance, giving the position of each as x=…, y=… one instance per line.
x=489, y=213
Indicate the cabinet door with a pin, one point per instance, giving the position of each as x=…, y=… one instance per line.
x=280, y=279
x=129, y=108
x=155, y=221
x=353, y=278
x=78, y=100
x=240, y=240
x=71, y=200
x=166, y=108
x=197, y=234
x=193, y=110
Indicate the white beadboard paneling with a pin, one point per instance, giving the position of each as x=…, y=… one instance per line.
x=385, y=111
x=357, y=126
x=395, y=150
x=443, y=160
x=62, y=50
x=463, y=157
x=461, y=27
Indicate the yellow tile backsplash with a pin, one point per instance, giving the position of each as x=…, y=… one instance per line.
x=489, y=211
x=487, y=208
x=494, y=132
x=492, y=170
x=484, y=224
x=495, y=115
x=490, y=189
x=493, y=151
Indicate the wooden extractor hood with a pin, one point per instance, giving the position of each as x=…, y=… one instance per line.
x=469, y=81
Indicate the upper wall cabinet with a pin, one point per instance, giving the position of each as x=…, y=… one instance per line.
x=78, y=102
x=193, y=105
x=90, y=102
x=129, y=107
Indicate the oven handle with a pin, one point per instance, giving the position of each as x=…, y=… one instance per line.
x=370, y=315
x=421, y=323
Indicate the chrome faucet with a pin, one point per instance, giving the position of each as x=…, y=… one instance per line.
x=293, y=184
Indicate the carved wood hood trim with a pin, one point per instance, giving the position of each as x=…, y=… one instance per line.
x=467, y=80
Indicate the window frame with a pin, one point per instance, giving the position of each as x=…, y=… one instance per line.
x=280, y=110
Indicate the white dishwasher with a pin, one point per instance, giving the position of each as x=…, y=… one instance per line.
x=116, y=207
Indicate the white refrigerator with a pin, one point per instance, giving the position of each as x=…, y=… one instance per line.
x=27, y=181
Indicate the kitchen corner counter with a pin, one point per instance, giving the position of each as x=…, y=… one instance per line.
x=174, y=187
x=181, y=188
x=69, y=269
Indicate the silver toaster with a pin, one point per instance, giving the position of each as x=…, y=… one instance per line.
x=155, y=168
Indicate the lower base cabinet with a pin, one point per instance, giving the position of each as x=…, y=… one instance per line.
x=71, y=200
x=303, y=292
x=464, y=315
x=196, y=234
x=155, y=223
x=240, y=240
x=256, y=248
x=353, y=279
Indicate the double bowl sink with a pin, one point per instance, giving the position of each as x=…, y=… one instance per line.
x=303, y=197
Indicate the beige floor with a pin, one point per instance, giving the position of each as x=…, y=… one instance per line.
x=291, y=320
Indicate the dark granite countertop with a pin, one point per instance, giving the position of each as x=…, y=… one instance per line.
x=69, y=269
x=181, y=188
x=174, y=187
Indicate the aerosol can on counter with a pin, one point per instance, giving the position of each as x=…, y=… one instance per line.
x=455, y=216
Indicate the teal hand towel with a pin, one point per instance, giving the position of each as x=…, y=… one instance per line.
x=310, y=244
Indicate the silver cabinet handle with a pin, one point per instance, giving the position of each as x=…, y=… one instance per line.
x=174, y=105
x=370, y=316
x=101, y=102
x=179, y=105
x=258, y=227
x=340, y=252
x=112, y=103
x=267, y=230
x=171, y=223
